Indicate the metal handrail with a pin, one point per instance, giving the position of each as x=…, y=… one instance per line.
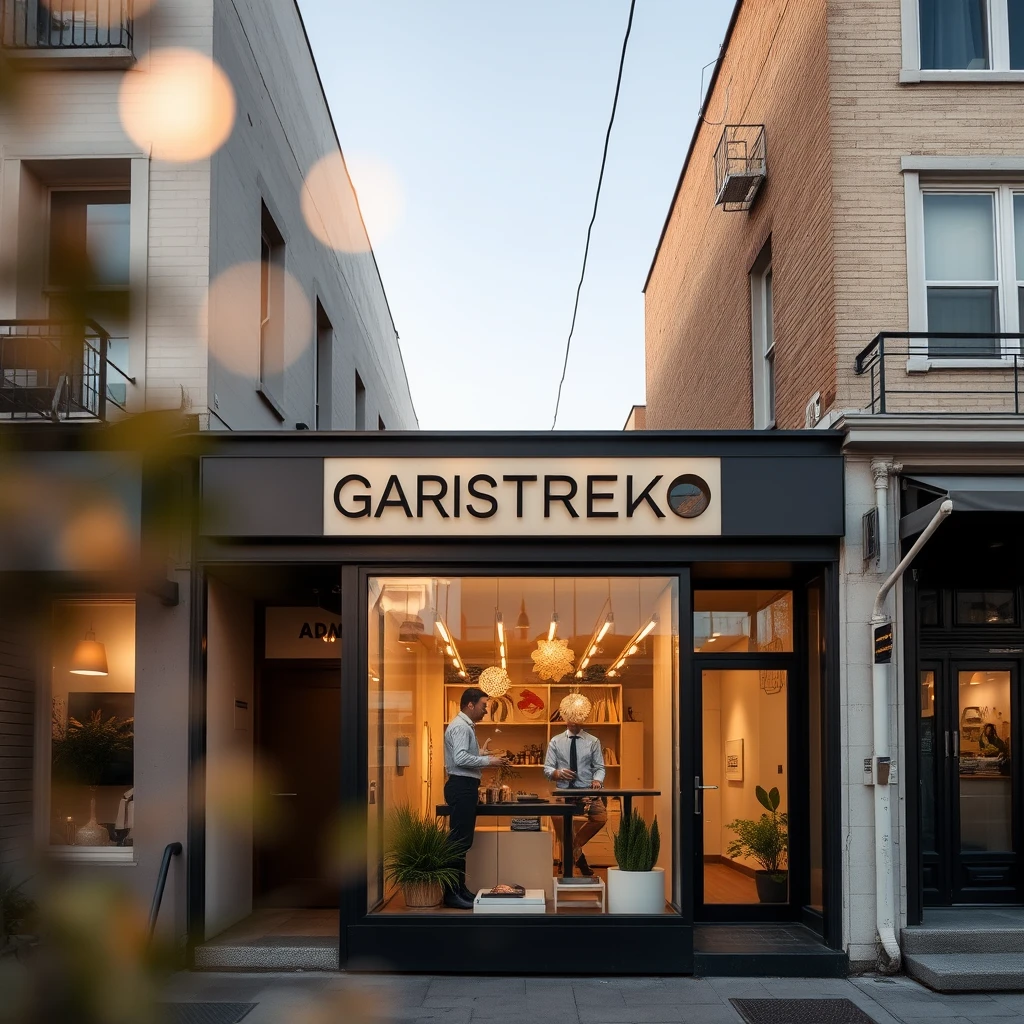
x=170, y=850
x=1009, y=356
x=27, y=25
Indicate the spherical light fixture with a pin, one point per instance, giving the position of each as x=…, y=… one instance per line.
x=575, y=708
x=494, y=681
x=552, y=659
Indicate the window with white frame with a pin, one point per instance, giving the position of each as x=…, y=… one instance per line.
x=973, y=269
x=763, y=339
x=969, y=35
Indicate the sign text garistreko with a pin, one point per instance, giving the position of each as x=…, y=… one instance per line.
x=522, y=497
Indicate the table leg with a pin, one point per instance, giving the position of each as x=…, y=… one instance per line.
x=627, y=806
x=567, y=843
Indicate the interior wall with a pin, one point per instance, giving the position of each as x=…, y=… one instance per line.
x=714, y=762
x=760, y=720
x=229, y=757
x=666, y=749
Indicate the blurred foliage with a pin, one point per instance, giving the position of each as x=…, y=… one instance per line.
x=83, y=751
x=17, y=908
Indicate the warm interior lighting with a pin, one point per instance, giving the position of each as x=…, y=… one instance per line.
x=449, y=647
x=632, y=646
x=523, y=622
x=89, y=657
x=600, y=631
x=553, y=628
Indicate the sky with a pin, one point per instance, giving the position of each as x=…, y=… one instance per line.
x=473, y=132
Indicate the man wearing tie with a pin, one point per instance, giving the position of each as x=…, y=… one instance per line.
x=574, y=761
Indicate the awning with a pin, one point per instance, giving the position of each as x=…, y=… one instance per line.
x=968, y=494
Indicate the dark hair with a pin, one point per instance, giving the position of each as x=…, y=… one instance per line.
x=470, y=696
x=986, y=727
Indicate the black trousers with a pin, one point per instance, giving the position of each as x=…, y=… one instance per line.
x=460, y=794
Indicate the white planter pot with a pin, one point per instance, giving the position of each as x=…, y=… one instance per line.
x=636, y=892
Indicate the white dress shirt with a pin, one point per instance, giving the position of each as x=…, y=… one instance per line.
x=461, y=751
x=589, y=759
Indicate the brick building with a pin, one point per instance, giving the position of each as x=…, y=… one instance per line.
x=844, y=251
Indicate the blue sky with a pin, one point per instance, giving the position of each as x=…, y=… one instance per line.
x=474, y=131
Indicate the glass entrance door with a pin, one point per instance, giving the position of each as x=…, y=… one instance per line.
x=970, y=782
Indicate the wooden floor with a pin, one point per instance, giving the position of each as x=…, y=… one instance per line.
x=723, y=884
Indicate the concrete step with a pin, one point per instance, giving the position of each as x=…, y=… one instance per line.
x=967, y=972
x=922, y=939
x=275, y=953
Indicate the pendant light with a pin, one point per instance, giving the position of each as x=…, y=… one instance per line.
x=89, y=657
x=494, y=680
x=523, y=622
x=411, y=629
x=553, y=658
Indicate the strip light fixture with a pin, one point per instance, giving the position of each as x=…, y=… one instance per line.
x=501, y=639
x=600, y=630
x=632, y=646
x=450, y=649
x=553, y=627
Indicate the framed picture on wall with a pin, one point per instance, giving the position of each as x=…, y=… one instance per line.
x=734, y=760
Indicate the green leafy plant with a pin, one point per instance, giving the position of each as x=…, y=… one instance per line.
x=637, y=846
x=83, y=751
x=419, y=850
x=16, y=908
x=766, y=840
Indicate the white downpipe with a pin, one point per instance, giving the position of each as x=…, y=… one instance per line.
x=885, y=915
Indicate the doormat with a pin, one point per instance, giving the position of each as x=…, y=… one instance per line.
x=206, y=1013
x=800, y=1011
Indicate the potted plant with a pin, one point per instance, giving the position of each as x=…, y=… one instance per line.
x=636, y=886
x=766, y=840
x=83, y=753
x=420, y=857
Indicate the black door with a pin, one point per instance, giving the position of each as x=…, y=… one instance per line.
x=299, y=754
x=970, y=783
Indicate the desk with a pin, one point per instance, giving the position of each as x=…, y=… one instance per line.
x=626, y=794
x=531, y=810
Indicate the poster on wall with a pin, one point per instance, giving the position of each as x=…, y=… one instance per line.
x=734, y=760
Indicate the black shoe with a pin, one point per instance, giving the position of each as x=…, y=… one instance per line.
x=456, y=901
x=585, y=868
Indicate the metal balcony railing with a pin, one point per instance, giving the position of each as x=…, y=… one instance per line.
x=27, y=25
x=925, y=373
x=58, y=370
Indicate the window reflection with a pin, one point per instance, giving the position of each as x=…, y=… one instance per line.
x=741, y=621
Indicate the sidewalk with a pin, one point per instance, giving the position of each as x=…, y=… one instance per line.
x=316, y=998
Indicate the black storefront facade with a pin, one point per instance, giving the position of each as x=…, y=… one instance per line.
x=692, y=583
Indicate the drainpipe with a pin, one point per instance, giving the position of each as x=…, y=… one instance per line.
x=881, y=470
x=885, y=916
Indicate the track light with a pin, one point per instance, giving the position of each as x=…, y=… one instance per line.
x=632, y=646
x=600, y=631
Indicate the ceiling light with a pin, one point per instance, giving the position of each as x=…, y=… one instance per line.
x=632, y=645
x=89, y=657
x=553, y=627
x=592, y=646
x=552, y=659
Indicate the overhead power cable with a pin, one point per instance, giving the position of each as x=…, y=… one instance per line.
x=593, y=216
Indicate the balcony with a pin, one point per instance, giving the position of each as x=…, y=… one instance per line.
x=929, y=373
x=59, y=371
x=68, y=33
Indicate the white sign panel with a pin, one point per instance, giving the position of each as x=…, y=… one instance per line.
x=544, y=497
x=302, y=633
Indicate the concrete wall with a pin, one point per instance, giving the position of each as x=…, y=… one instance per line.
x=282, y=129
x=697, y=302
x=229, y=757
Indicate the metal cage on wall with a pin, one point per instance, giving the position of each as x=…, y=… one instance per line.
x=741, y=165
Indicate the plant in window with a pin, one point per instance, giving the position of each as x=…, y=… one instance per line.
x=636, y=885
x=83, y=752
x=766, y=840
x=420, y=857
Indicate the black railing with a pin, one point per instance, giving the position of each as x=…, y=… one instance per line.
x=58, y=370
x=65, y=24
x=170, y=850
x=929, y=372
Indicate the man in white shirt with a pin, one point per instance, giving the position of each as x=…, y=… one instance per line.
x=464, y=763
x=575, y=761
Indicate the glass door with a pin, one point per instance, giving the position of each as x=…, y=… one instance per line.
x=984, y=783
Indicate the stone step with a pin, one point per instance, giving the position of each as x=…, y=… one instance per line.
x=277, y=953
x=967, y=972
x=922, y=939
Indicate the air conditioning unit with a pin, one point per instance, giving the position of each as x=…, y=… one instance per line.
x=812, y=411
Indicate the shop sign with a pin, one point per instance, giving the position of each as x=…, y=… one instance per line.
x=883, y=644
x=613, y=497
x=302, y=633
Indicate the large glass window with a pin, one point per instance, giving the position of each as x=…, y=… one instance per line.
x=551, y=655
x=742, y=621
x=92, y=726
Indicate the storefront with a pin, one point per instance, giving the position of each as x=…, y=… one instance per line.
x=680, y=587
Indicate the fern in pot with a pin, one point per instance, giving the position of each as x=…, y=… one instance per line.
x=766, y=841
x=636, y=885
x=420, y=857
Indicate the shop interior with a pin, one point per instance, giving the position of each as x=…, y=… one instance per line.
x=538, y=646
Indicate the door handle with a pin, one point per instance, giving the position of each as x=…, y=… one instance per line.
x=697, y=787
x=946, y=742
x=956, y=742
x=284, y=794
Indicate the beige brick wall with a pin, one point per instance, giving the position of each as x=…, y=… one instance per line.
x=875, y=121
x=697, y=303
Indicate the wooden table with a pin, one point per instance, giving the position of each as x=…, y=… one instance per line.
x=534, y=809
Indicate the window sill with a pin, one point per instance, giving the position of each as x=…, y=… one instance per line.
x=922, y=364
x=272, y=403
x=122, y=856
x=915, y=76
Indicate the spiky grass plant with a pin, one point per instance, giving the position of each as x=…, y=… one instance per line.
x=637, y=846
x=419, y=850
